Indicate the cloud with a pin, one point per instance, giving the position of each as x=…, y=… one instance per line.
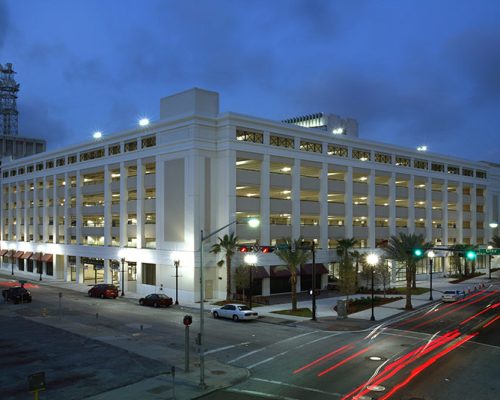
x=4, y=24
x=36, y=121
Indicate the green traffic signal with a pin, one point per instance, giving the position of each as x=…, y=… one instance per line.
x=418, y=252
x=471, y=255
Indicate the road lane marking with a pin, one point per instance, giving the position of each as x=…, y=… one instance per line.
x=297, y=387
x=260, y=394
x=267, y=359
x=226, y=347
x=266, y=347
x=245, y=355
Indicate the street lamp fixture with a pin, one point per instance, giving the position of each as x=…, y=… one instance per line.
x=253, y=223
x=431, y=256
x=372, y=259
x=493, y=225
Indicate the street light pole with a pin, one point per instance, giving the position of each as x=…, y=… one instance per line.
x=40, y=263
x=12, y=261
x=313, y=281
x=176, y=263
x=372, y=260
x=431, y=257
x=123, y=274
x=372, y=318
x=252, y=223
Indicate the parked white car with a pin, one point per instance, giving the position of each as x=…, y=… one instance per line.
x=452, y=295
x=235, y=312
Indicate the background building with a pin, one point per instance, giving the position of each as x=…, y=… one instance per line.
x=145, y=194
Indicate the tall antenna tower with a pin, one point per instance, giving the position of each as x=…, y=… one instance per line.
x=8, y=95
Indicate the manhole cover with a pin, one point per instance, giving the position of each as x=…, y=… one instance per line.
x=376, y=358
x=216, y=372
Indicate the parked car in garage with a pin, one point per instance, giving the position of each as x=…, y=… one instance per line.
x=156, y=300
x=17, y=294
x=104, y=290
x=234, y=311
x=452, y=295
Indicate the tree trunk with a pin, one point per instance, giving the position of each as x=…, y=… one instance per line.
x=408, y=305
x=228, y=279
x=293, y=283
x=414, y=278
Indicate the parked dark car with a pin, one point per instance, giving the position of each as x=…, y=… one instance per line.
x=17, y=294
x=156, y=300
x=104, y=290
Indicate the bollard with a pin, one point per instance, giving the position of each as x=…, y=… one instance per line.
x=172, y=371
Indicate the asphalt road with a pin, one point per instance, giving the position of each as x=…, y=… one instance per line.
x=429, y=355
x=449, y=351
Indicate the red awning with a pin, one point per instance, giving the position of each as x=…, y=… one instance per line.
x=26, y=255
x=3, y=252
x=306, y=269
x=259, y=273
x=47, y=258
x=280, y=271
x=36, y=257
x=18, y=254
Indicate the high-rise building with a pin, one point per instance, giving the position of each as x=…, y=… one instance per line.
x=11, y=144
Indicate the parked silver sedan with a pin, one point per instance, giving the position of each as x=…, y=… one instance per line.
x=235, y=312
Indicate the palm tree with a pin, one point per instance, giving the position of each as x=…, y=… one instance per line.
x=227, y=244
x=495, y=242
x=293, y=253
x=400, y=248
x=458, y=250
x=347, y=275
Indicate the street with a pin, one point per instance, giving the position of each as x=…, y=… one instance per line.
x=89, y=346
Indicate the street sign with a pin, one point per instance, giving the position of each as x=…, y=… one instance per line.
x=490, y=252
x=282, y=246
x=36, y=382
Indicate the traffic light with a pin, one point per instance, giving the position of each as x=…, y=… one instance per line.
x=245, y=249
x=188, y=320
x=470, y=254
x=418, y=252
x=267, y=249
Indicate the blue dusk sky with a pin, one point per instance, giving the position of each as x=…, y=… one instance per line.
x=411, y=72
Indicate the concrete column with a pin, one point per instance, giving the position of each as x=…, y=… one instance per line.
x=123, y=205
x=79, y=270
x=444, y=209
x=159, y=206
x=66, y=269
x=18, y=211
x=265, y=205
x=108, y=278
x=323, y=207
x=392, y=204
x=55, y=215
x=296, y=199
x=107, y=207
x=79, y=208
x=27, y=208
x=10, y=213
x=67, y=204
x=460, y=212
x=349, y=231
x=35, y=211
x=428, y=210
x=411, y=205
x=45, y=210
x=371, y=210
x=473, y=214
x=140, y=205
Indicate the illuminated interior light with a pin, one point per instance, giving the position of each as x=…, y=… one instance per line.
x=363, y=178
x=286, y=191
x=286, y=169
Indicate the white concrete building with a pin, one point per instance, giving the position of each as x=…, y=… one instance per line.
x=145, y=194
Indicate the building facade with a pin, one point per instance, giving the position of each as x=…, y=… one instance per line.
x=137, y=201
